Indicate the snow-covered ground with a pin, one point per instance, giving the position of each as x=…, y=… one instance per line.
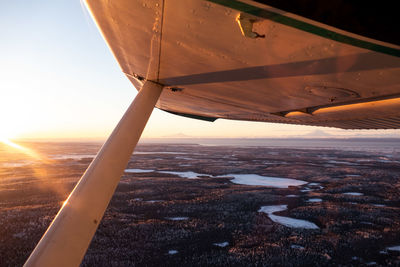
x=286, y=221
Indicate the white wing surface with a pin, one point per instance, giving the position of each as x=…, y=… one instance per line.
x=245, y=60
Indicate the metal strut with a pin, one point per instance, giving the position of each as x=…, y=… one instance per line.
x=68, y=237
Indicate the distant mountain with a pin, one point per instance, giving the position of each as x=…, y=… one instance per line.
x=318, y=134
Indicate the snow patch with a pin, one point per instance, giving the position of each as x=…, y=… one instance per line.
x=306, y=189
x=367, y=223
x=153, y=201
x=184, y=158
x=172, y=252
x=222, y=244
x=394, y=248
x=297, y=246
x=379, y=205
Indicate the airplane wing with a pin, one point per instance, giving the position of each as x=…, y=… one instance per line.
x=241, y=60
x=245, y=60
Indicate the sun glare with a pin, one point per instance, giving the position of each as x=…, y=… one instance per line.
x=10, y=143
x=27, y=151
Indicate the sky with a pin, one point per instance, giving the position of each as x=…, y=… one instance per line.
x=59, y=80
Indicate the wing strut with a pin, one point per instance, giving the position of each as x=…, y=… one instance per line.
x=68, y=237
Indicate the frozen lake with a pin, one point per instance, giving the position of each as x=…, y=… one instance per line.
x=286, y=221
x=245, y=179
x=255, y=179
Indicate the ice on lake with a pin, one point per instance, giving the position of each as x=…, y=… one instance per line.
x=73, y=156
x=286, y=221
x=314, y=200
x=157, y=152
x=255, y=179
x=353, y=194
x=341, y=162
x=138, y=171
x=246, y=179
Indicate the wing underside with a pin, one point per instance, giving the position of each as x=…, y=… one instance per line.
x=245, y=60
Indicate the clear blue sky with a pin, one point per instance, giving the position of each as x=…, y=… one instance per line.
x=58, y=79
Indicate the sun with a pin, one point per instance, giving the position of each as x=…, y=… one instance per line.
x=12, y=126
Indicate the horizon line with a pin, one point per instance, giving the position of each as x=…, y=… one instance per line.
x=99, y=139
